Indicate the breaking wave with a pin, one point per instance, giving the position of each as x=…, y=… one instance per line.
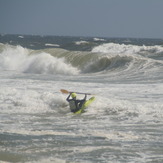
x=104, y=58
x=17, y=58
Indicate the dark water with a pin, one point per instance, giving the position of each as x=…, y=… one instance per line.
x=69, y=43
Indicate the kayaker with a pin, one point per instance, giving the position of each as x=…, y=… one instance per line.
x=75, y=104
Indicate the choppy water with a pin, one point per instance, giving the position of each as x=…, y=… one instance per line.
x=124, y=124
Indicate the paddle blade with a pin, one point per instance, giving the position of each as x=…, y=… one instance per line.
x=64, y=91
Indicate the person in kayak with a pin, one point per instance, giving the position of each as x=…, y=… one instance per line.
x=75, y=104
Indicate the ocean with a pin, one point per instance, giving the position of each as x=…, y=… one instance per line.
x=123, y=125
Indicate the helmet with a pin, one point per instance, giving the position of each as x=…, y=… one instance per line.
x=73, y=95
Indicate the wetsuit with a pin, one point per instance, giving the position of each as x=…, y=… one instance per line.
x=75, y=104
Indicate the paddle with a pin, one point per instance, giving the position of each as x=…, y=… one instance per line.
x=67, y=92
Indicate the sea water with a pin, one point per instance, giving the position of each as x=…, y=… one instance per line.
x=123, y=124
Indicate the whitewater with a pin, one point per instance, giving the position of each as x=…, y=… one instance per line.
x=123, y=124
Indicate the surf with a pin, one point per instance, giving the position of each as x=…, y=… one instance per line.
x=125, y=61
x=35, y=117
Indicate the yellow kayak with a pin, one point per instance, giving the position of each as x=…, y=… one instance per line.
x=85, y=105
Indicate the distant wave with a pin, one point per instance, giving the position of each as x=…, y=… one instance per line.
x=81, y=42
x=98, y=39
x=127, y=49
x=52, y=45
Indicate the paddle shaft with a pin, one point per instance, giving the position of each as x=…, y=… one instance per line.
x=67, y=92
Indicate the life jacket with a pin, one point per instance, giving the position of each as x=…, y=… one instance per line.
x=73, y=106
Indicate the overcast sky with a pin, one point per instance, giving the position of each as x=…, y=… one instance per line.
x=109, y=18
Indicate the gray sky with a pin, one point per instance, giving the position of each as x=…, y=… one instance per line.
x=109, y=18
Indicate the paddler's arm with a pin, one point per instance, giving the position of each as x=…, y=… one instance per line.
x=82, y=101
x=68, y=98
x=85, y=97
